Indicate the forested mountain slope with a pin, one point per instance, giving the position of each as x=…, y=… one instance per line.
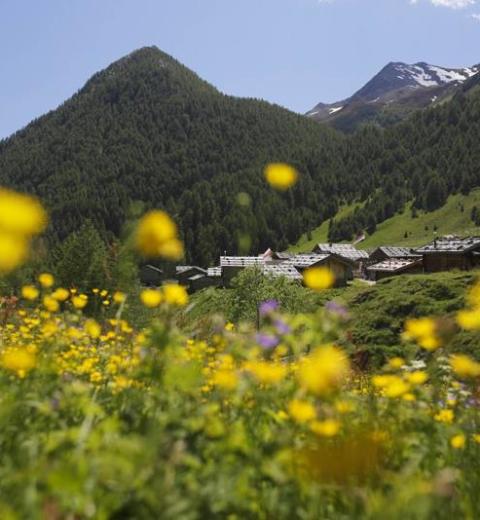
x=148, y=129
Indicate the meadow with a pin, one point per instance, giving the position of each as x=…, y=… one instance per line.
x=100, y=418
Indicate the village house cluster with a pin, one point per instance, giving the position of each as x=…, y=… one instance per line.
x=344, y=260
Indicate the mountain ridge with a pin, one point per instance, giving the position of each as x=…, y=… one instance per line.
x=396, y=90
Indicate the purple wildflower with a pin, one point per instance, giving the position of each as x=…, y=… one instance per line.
x=336, y=308
x=268, y=307
x=282, y=327
x=266, y=341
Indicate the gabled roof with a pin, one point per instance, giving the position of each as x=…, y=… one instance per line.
x=214, y=272
x=394, y=266
x=450, y=245
x=241, y=261
x=396, y=252
x=307, y=260
x=180, y=269
x=345, y=250
x=282, y=269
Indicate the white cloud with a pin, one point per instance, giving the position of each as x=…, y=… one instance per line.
x=476, y=16
x=453, y=4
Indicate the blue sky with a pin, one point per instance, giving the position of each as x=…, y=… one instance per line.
x=291, y=52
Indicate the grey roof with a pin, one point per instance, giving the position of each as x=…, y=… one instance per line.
x=307, y=260
x=179, y=269
x=396, y=252
x=393, y=266
x=196, y=277
x=283, y=255
x=241, y=261
x=450, y=245
x=214, y=272
x=282, y=269
x=345, y=250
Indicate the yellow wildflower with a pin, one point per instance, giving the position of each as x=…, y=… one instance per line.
x=445, y=416
x=50, y=304
x=396, y=363
x=266, y=372
x=318, y=278
x=469, y=319
x=418, y=377
x=80, y=301
x=458, y=441
x=323, y=370
x=21, y=214
x=172, y=249
x=13, y=251
x=30, y=292
x=476, y=437
x=301, y=411
x=396, y=388
x=423, y=331
x=175, y=294
x=61, y=294
x=93, y=329
x=280, y=176
x=151, y=298
x=327, y=428
x=18, y=360
x=226, y=379
x=119, y=297
x=154, y=230
x=46, y=280
x=464, y=366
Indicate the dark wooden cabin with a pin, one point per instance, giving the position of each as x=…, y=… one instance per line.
x=447, y=253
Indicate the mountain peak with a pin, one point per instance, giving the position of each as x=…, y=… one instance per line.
x=412, y=85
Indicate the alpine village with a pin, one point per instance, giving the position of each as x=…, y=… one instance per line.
x=215, y=307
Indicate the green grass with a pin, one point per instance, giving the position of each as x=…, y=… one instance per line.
x=402, y=229
x=320, y=234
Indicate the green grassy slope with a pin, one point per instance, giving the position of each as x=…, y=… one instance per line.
x=402, y=229
x=320, y=234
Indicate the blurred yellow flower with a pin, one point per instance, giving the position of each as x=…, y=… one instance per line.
x=18, y=360
x=171, y=249
x=396, y=363
x=21, y=214
x=266, y=372
x=50, y=304
x=418, y=377
x=327, y=428
x=318, y=278
x=226, y=379
x=464, y=366
x=13, y=251
x=445, y=416
x=80, y=301
x=61, y=294
x=469, y=319
x=156, y=235
x=92, y=328
x=151, y=298
x=30, y=292
x=423, y=331
x=458, y=441
x=119, y=297
x=323, y=370
x=280, y=176
x=175, y=294
x=46, y=280
x=301, y=411
x=396, y=388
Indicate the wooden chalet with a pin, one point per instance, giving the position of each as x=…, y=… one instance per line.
x=232, y=265
x=340, y=266
x=150, y=275
x=184, y=272
x=392, y=253
x=393, y=267
x=446, y=253
x=349, y=252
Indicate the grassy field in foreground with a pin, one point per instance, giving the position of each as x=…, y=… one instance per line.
x=402, y=229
